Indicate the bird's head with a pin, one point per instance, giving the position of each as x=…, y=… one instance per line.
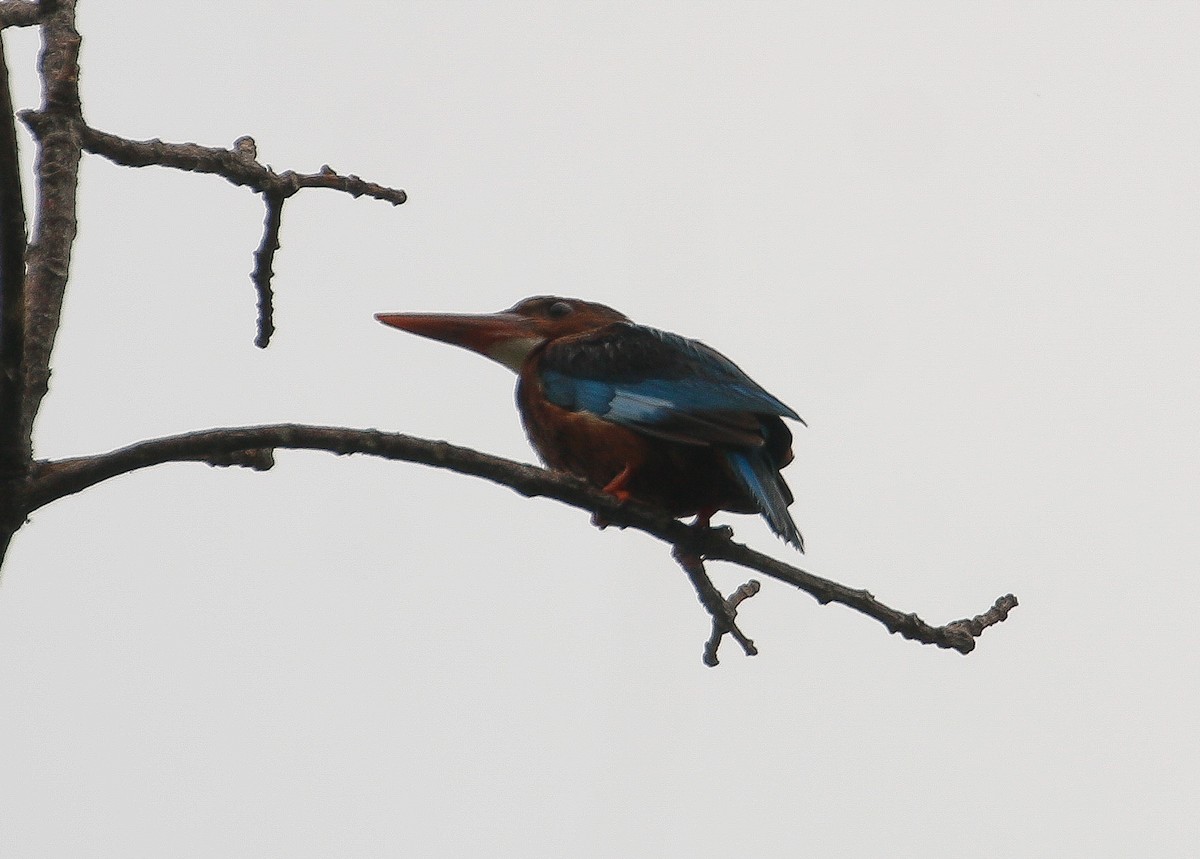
x=510, y=335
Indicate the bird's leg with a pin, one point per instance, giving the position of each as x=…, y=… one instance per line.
x=700, y=524
x=615, y=488
x=703, y=522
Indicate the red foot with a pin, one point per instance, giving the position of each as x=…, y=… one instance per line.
x=616, y=486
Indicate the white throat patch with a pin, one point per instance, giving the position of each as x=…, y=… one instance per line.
x=512, y=353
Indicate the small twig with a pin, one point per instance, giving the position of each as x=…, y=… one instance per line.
x=723, y=611
x=327, y=177
x=264, y=257
x=973, y=627
x=262, y=274
x=53, y=480
x=743, y=593
x=239, y=165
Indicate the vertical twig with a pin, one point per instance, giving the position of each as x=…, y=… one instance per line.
x=264, y=258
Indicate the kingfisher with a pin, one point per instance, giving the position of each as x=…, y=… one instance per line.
x=640, y=413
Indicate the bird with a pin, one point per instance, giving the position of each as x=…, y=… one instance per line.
x=638, y=412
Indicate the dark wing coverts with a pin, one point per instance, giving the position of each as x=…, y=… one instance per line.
x=670, y=387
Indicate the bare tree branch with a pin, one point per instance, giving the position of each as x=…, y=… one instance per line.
x=32, y=285
x=19, y=13
x=56, y=127
x=240, y=166
x=48, y=259
x=735, y=599
x=15, y=452
x=264, y=258
x=723, y=611
x=237, y=165
x=53, y=480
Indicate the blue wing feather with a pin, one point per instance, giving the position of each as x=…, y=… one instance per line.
x=646, y=378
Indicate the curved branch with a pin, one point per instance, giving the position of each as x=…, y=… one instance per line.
x=53, y=480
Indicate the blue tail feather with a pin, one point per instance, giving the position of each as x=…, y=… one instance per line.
x=762, y=481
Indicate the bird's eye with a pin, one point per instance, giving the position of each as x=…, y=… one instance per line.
x=559, y=309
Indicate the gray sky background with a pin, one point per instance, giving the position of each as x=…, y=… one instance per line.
x=962, y=240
